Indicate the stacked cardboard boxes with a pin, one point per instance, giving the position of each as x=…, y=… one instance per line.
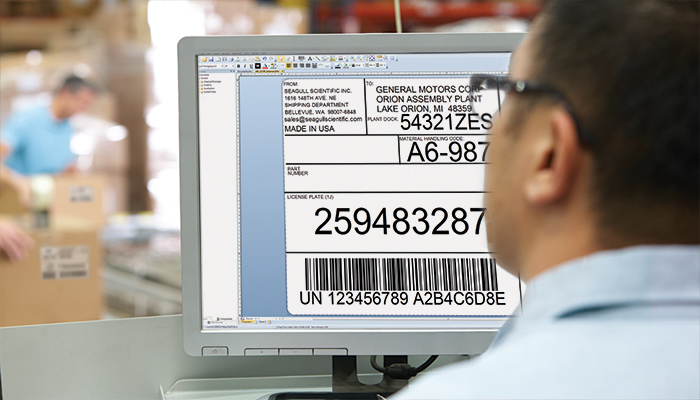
x=61, y=279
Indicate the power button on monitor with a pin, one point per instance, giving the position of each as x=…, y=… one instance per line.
x=215, y=351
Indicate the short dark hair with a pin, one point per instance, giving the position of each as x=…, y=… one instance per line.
x=631, y=70
x=73, y=83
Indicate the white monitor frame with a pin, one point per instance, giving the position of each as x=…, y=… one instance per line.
x=331, y=342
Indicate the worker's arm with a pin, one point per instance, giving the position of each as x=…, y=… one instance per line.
x=72, y=168
x=4, y=150
x=10, y=178
x=10, y=141
x=10, y=136
x=14, y=242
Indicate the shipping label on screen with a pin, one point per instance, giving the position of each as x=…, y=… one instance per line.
x=384, y=212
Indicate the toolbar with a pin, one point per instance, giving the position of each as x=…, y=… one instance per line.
x=326, y=62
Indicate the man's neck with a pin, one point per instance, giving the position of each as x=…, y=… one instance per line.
x=56, y=112
x=547, y=251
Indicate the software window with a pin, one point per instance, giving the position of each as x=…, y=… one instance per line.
x=346, y=191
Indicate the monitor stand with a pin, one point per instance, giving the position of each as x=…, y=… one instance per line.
x=347, y=386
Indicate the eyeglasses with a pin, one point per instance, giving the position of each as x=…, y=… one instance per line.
x=489, y=82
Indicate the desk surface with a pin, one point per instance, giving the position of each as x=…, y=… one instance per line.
x=133, y=358
x=250, y=388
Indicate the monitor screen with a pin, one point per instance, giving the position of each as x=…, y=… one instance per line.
x=343, y=191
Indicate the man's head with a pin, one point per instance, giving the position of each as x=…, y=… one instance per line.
x=630, y=73
x=74, y=96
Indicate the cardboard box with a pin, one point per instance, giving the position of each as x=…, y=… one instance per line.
x=29, y=33
x=104, y=107
x=79, y=198
x=10, y=202
x=60, y=281
x=81, y=8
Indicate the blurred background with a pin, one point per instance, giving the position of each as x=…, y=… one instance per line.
x=105, y=233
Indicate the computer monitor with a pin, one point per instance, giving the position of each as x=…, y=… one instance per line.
x=332, y=194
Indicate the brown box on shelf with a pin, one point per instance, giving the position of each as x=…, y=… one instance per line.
x=82, y=8
x=60, y=280
x=19, y=34
x=104, y=107
x=79, y=198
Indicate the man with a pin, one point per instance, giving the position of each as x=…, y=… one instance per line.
x=594, y=182
x=37, y=141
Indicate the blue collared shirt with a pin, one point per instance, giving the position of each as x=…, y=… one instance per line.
x=615, y=324
x=39, y=142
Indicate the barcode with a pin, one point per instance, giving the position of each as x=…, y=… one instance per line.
x=74, y=266
x=401, y=274
x=72, y=274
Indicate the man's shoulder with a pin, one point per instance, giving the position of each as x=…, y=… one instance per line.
x=29, y=115
x=578, y=358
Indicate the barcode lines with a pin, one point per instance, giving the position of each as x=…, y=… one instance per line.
x=401, y=274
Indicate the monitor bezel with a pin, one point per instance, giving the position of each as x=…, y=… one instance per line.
x=356, y=341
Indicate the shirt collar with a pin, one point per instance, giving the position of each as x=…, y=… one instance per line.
x=640, y=274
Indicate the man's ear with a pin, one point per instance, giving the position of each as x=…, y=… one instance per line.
x=556, y=158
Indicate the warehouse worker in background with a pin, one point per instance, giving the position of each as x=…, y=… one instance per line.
x=593, y=198
x=37, y=141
